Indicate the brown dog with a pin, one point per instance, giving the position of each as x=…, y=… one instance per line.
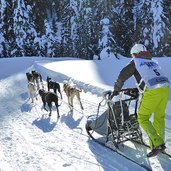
x=49, y=97
x=71, y=92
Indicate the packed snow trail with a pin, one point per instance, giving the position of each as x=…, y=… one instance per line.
x=32, y=141
x=29, y=140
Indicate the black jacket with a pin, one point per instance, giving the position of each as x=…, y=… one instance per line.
x=128, y=71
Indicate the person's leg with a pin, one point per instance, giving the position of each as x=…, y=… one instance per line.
x=149, y=102
x=159, y=114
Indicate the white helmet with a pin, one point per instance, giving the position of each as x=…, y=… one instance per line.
x=137, y=48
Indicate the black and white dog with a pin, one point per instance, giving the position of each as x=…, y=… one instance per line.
x=49, y=97
x=53, y=85
x=29, y=77
x=37, y=78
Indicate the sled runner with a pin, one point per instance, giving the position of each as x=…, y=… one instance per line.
x=118, y=123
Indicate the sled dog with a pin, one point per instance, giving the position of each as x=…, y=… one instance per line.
x=49, y=97
x=37, y=79
x=29, y=77
x=31, y=91
x=71, y=92
x=53, y=85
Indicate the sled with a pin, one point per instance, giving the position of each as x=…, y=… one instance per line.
x=116, y=128
x=118, y=123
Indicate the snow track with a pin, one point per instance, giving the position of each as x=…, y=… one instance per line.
x=31, y=141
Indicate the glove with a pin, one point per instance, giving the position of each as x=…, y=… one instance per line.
x=115, y=93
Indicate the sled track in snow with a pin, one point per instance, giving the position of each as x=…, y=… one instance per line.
x=121, y=154
x=116, y=150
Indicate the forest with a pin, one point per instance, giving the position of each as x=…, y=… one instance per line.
x=83, y=28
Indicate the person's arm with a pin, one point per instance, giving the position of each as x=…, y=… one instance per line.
x=124, y=74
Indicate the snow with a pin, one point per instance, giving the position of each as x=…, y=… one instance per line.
x=31, y=141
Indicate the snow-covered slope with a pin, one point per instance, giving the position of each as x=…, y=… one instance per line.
x=30, y=140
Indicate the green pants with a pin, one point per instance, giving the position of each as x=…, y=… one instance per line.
x=154, y=101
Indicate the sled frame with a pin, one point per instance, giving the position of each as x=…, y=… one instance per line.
x=119, y=135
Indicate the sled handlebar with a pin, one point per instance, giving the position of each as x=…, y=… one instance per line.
x=107, y=93
x=132, y=92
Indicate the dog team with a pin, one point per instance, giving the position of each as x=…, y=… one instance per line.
x=35, y=84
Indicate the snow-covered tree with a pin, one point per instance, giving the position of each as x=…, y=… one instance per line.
x=120, y=16
x=7, y=28
x=83, y=28
x=158, y=28
x=52, y=30
x=165, y=47
x=106, y=34
x=2, y=39
x=149, y=20
x=88, y=29
x=142, y=23
x=23, y=29
x=75, y=6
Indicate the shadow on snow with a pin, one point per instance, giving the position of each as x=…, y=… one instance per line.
x=44, y=124
x=70, y=122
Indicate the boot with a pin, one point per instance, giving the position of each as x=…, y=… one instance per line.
x=155, y=151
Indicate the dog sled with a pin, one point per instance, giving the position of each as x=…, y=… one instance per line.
x=116, y=127
x=118, y=122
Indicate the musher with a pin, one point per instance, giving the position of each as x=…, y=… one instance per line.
x=155, y=89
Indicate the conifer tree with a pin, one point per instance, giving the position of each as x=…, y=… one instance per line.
x=2, y=25
x=166, y=39
x=158, y=26
x=8, y=32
